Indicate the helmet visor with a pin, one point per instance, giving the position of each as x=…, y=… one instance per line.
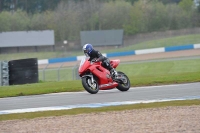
x=86, y=52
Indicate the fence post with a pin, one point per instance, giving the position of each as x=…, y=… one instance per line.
x=5, y=73
x=44, y=72
x=75, y=71
x=59, y=71
x=1, y=79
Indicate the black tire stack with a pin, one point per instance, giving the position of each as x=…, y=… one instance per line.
x=23, y=71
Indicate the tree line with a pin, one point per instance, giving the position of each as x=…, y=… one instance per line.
x=68, y=17
x=32, y=6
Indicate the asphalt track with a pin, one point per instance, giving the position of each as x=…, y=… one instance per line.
x=184, y=91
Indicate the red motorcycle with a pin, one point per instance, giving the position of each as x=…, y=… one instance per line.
x=95, y=77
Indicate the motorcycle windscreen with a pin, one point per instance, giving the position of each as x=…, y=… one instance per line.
x=84, y=64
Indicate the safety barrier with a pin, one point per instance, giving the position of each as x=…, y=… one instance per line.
x=125, y=53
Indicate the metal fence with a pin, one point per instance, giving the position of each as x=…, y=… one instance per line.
x=58, y=73
x=61, y=73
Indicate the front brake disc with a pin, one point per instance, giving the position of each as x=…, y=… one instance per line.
x=93, y=86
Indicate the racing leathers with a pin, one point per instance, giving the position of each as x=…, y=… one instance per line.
x=94, y=54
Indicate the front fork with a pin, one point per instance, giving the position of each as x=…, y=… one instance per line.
x=91, y=82
x=89, y=75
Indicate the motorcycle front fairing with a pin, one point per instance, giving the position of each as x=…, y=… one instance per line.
x=84, y=65
x=105, y=81
x=100, y=72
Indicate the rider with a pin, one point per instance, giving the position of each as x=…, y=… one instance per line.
x=89, y=51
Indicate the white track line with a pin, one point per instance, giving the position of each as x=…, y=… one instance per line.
x=92, y=105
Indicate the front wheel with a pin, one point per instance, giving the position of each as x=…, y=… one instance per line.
x=125, y=84
x=90, y=87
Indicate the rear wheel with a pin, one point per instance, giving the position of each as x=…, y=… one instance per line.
x=125, y=84
x=90, y=87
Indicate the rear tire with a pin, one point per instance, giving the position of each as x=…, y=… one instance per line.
x=126, y=83
x=91, y=88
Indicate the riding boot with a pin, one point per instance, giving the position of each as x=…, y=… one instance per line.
x=113, y=72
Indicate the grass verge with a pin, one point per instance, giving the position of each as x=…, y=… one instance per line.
x=40, y=88
x=97, y=110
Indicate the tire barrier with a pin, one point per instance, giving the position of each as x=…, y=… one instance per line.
x=23, y=71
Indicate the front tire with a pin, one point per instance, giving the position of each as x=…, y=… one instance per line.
x=89, y=87
x=125, y=85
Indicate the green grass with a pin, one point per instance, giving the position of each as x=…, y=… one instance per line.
x=40, y=88
x=161, y=68
x=97, y=110
x=174, y=41
x=141, y=74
